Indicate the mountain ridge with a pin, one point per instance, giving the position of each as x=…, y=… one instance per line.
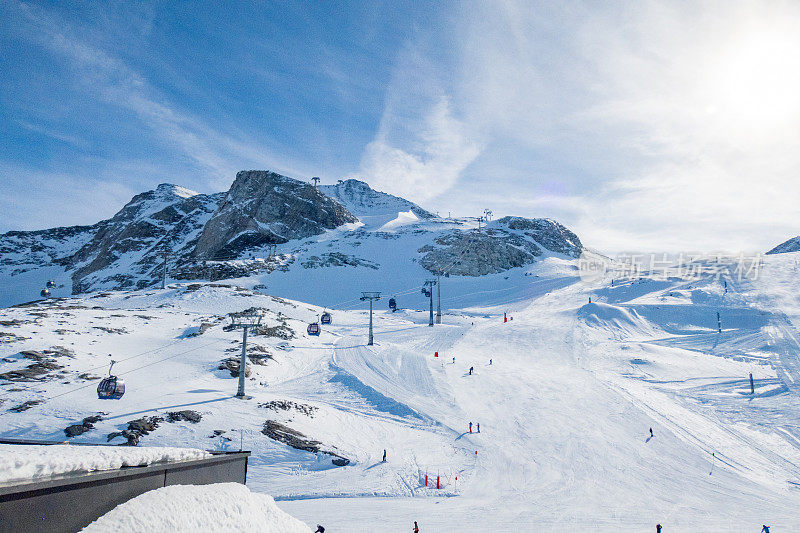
x=265, y=227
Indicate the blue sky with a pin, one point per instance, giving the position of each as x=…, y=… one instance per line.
x=641, y=125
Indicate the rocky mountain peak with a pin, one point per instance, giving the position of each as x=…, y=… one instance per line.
x=792, y=245
x=362, y=200
x=169, y=189
x=264, y=207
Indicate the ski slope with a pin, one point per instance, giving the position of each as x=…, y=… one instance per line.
x=565, y=406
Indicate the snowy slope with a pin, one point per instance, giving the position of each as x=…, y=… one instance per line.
x=564, y=407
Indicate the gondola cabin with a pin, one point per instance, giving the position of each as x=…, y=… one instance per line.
x=393, y=304
x=111, y=387
x=313, y=329
x=45, y=293
x=326, y=318
x=51, y=284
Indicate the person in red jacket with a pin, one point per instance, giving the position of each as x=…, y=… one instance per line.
x=416, y=527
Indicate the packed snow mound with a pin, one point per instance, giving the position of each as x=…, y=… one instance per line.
x=217, y=507
x=25, y=462
x=621, y=322
x=792, y=245
x=403, y=218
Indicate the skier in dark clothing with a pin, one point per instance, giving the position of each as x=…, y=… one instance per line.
x=658, y=528
x=384, y=456
x=651, y=432
x=320, y=529
x=764, y=529
x=470, y=370
x=479, y=427
x=416, y=527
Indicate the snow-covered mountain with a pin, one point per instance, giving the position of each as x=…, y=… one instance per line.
x=368, y=204
x=274, y=231
x=792, y=245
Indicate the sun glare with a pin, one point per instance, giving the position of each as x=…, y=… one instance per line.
x=757, y=81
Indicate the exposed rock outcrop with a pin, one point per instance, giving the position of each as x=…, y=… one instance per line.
x=298, y=441
x=136, y=428
x=232, y=364
x=507, y=243
x=25, y=406
x=263, y=207
x=187, y=415
x=86, y=424
x=792, y=245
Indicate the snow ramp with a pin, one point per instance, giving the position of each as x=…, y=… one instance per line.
x=619, y=322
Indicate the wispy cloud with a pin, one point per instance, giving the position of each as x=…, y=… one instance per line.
x=217, y=154
x=421, y=146
x=53, y=134
x=669, y=126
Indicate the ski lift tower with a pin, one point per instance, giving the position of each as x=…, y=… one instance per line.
x=429, y=283
x=371, y=296
x=246, y=321
x=315, y=179
x=439, y=296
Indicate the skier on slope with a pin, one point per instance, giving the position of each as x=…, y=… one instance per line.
x=658, y=528
x=490, y=362
x=470, y=427
x=764, y=529
x=320, y=529
x=651, y=432
x=384, y=456
x=416, y=527
x=479, y=427
x=470, y=370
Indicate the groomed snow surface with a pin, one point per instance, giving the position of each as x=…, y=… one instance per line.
x=565, y=406
x=218, y=507
x=23, y=462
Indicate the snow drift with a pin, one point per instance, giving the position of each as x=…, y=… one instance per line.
x=620, y=322
x=218, y=507
x=23, y=462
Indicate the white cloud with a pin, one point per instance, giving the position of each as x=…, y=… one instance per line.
x=671, y=126
x=421, y=147
x=443, y=150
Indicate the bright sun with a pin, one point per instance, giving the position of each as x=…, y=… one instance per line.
x=756, y=83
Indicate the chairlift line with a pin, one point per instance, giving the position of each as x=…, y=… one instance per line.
x=138, y=368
